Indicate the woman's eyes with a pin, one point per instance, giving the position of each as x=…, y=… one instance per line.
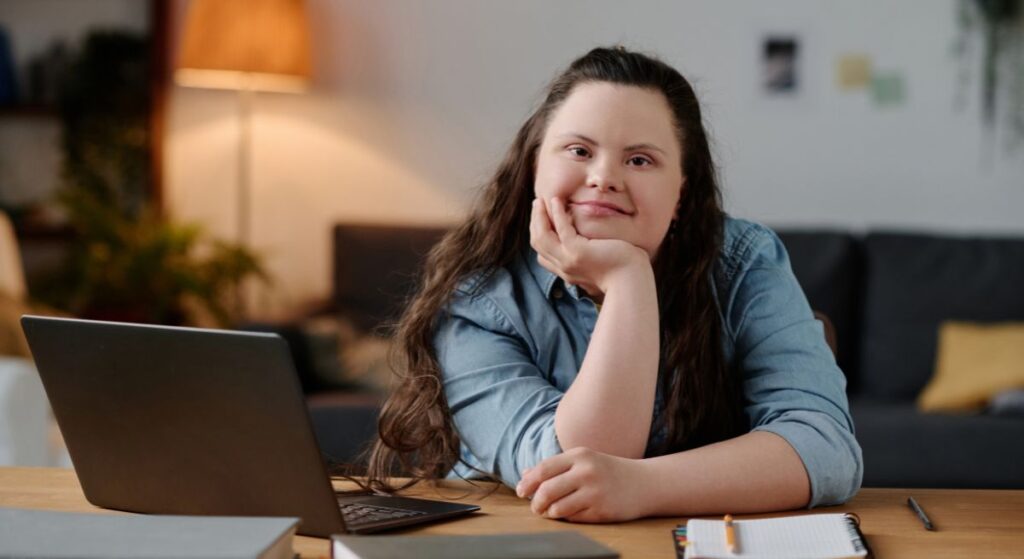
x=640, y=161
x=636, y=160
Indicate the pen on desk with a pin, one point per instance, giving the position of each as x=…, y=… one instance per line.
x=920, y=514
x=730, y=535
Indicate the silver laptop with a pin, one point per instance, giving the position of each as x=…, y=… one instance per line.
x=170, y=420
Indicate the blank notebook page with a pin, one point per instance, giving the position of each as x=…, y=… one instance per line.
x=819, y=536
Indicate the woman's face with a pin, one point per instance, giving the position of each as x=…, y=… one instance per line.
x=610, y=152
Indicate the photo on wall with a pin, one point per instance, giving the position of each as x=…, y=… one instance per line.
x=780, y=65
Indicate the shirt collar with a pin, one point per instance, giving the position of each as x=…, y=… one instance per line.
x=547, y=280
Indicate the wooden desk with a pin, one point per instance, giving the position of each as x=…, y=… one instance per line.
x=971, y=523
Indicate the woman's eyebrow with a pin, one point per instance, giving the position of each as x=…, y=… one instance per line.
x=632, y=147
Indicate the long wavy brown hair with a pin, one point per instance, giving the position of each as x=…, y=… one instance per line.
x=417, y=435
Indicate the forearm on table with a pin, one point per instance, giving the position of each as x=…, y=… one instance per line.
x=756, y=472
x=608, y=408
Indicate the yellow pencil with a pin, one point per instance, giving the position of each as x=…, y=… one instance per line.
x=730, y=536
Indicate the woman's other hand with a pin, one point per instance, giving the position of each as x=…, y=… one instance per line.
x=583, y=485
x=592, y=264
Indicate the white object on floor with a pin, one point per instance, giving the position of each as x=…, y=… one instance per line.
x=24, y=415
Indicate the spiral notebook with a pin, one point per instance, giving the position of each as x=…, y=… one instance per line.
x=818, y=536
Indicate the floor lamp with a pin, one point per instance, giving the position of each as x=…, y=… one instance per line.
x=246, y=46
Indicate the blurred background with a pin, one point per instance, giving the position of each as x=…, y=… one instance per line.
x=409, y=105
x=143, y=183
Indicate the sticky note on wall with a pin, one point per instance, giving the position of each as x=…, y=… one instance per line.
x=853, y=71
x=887, y=89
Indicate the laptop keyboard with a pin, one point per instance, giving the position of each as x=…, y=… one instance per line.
x=358, y=514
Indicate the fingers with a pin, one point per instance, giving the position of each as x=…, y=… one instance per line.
x=560, y=248
x=545, y=209
x=561, y=220
x=543, y=237
x=539, y=220
x=549, y=244
x=577, y=486
x=533, y=477
x=551, y=224
x=552, y=490
x=572, y=507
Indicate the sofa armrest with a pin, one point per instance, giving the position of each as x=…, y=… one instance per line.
x=830, y=331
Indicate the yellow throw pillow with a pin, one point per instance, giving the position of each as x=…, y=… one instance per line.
x=974, y=362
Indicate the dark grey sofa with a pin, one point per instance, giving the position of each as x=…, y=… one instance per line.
x=885, y=293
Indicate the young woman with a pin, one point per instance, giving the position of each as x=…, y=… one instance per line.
x=601, y=337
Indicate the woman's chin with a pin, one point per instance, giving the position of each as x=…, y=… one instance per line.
x=597, y=230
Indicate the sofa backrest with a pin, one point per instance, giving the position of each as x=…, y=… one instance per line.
x=829, y=266
x=376, y=268
x=886, y=293
x=914, y=282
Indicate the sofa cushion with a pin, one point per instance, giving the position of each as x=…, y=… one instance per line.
x=905, y=448
x=828, y=266
x=915, y=282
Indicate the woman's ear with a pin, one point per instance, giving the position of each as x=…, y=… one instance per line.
x=679, y=203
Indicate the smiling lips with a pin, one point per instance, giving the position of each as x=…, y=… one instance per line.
x=598, y=208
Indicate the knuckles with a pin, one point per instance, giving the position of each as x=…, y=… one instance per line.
x=586, y=472
x=579, y=451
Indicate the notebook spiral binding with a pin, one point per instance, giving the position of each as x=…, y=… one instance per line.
x=860, y=543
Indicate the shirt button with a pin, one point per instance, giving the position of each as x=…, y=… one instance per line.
x=557, y=292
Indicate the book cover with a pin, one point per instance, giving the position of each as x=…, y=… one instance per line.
x=535, y=545
x=39, y=533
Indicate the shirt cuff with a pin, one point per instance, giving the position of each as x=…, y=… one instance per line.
x=536, y=447
x=830, y=453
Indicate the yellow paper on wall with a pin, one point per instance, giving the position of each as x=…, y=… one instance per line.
x=853, y=71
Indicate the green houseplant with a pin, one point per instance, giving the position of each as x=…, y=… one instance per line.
x=125, y=260
x=999, y=27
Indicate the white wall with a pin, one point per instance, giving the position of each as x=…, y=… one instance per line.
x=416, y=101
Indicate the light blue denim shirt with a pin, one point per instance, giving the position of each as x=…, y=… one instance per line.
x=511, y=347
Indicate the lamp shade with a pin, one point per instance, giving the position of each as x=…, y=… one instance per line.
x=245, y=44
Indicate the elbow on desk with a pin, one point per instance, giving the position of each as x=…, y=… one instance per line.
x=839, y=478
x=830, y=454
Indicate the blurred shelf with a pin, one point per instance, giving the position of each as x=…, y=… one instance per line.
x=28, y=111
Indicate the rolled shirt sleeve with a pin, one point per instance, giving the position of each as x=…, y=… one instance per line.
x=503, y=405
x=791, y=384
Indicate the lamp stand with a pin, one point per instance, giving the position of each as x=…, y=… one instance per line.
x=243, y=199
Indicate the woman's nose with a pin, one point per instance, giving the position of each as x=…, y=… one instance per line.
x=604, y=177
